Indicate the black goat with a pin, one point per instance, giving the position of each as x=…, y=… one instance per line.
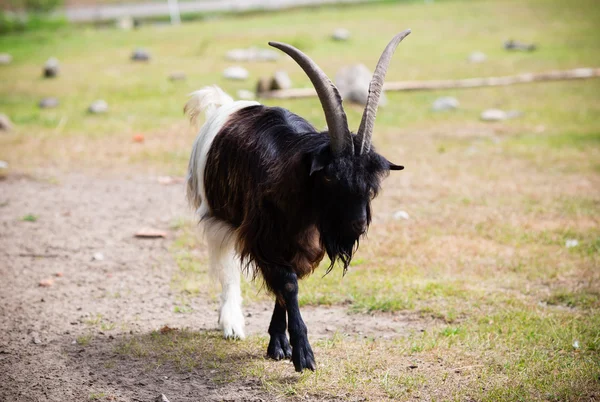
x=275, y=195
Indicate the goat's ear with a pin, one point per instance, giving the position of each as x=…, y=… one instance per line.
x=319, y=160
x=393, y=166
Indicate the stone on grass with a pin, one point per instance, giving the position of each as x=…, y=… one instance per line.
x=5, y=123
x=516, y=45
x=353, y=83
x=48, y=103
x=5, y=58
x=445, y=103
x=235, y=73
x=280, y=80
x=262, y=85
x=51, y=68
x=398, y=215
x=493, y=115
x=177, y=76
x=477, y=57
x=252, y=54
x=244, y=94
x=570, y=243
x=99, y=106
x=140, y=54
x=340, y=34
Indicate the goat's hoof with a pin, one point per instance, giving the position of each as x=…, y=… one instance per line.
x=279, y=347
x=302, y=356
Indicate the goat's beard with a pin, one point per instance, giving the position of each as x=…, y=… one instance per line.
x=339, y=248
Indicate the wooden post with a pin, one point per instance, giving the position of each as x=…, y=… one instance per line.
x=575, y=74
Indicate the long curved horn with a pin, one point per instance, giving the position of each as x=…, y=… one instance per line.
x=330, y=98
x=365, y=131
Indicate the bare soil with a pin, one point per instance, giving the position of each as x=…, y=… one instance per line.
x=53, y=346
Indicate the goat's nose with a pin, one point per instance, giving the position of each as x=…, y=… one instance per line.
x=359, y=226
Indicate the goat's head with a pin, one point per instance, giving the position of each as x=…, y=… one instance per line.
x=347, y=171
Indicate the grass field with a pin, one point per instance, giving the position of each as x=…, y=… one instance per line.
x=511, y=313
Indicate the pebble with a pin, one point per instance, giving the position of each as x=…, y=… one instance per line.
x=340, y=34
x=98, y=106
x=3, y=165
x=244, y=94
x=140, y=55
x=36, y=340
x=98, y=257
x=5, y=58
x=177, y=76
x=401, y=215
x=48, y=103
x=477, y=57
x=252, y=54
x=161, y=398
x=570, y=243
x=493, y=115
x=51, y=68
x=235, y=73
x=445, y=103
x=5, y=123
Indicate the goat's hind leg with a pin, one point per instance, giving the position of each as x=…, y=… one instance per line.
x=226, y=266
x=279, y=346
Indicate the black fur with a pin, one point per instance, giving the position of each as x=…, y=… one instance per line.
x=272, y=176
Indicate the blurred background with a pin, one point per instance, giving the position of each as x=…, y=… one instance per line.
x=479, y=279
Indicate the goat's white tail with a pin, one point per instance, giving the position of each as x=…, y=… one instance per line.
x=207, y=99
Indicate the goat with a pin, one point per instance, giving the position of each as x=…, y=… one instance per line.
x=275, y=194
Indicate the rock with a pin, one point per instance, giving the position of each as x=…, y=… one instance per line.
x=46, y=283
x=401, y=215
x=516, y=45
x=3, y=165
x=477, y=57
x=235, y=73
x=51, y=68
x=140, y=54
x=493, y=115
x=262, y=85
x=177, y=76
x=252, y=54
x=5, y=123
x=98, y=107
x=125, y=23
x=570, y=243
x=445, y=103
x=98, y=257
x=161, y=398
x=5, y=58
x=340, y=34
x=48, y=103
x=36, y=340
x=244, y=94
x=280, y=80
x=353, y=83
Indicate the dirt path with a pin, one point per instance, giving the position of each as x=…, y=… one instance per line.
x=127, y=292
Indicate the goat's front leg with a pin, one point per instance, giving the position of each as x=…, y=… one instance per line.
x=279, y=346
x=302, y=354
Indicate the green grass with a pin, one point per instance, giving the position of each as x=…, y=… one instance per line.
x=482, y=266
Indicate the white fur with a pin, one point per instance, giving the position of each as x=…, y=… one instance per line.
x=224, y=261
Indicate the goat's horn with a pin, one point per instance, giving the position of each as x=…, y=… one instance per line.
x=365, y=131
x=330, y=98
